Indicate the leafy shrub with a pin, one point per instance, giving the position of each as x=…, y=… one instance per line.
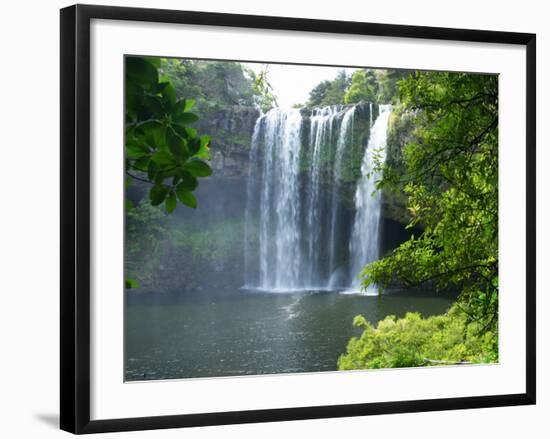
x=417, y=341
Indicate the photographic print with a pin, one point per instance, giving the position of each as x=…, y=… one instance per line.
x=343, y=225
x=285, y=218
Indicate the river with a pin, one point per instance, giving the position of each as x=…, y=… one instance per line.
x=171, y=336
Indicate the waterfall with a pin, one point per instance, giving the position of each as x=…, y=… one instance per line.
x=346, y=129
x=364, y=243
x=272, y=190
x=320, y=136
x=295, y=212
x=251, y=183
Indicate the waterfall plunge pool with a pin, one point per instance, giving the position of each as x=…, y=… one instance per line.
x=171, y=336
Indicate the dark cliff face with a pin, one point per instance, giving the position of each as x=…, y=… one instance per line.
x=231, y=131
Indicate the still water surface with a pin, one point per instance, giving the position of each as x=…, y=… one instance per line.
x=171, y=336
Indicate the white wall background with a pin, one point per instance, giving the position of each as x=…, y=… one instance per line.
x=29, y=249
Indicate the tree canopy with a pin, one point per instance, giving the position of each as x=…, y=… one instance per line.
x=215, y=84
x=363, y=85
x=448, y=173
x=330, y=92
x=450, y=178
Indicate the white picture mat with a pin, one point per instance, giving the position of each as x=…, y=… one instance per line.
x=112, y=398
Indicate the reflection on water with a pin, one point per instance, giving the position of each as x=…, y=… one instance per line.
x=249, y=333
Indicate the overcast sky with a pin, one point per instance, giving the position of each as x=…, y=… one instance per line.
x=292, y=84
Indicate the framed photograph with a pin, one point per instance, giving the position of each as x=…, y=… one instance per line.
x=272, y=218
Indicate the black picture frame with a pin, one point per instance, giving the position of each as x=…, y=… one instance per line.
x=75, y=217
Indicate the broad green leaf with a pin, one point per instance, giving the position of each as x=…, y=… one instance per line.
x=194, y=145
x=158, y=193
x=205, y=140
x=159, y=177
x=142, y=163
x=169, y=94
x=171, y=202
x=191, y=132
x=153, y=60
x=180, y=131
x=198, y=168
x=150, y=106
x=203, y=152
x=155, y=135
x=135, y=151
x=162, y=158
x=177, y=145
x=188, y=183
x=188, y=104
x=159, y=134
x=148, y=125
x=186, y=118
x=187, y=198
x=141, y=72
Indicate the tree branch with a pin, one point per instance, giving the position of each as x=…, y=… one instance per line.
x=138, y=178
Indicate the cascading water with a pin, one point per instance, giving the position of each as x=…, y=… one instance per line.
x=364, y=243
x=294, y=213
x=320, y=135
x=279, y=203
x=346, y=129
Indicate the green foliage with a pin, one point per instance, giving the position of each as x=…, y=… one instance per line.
x=131, y=283
x=145, y=231
x=388, y=85
x=263, y=89
x=450, y=179
x=416, y=341
x=400, y=133
x=443, y=156
x=363, y=87
x=154, y=238
x=210, y=243
x=374, y=85
x=186, y=197
x=161, y=148
x=217, y=84
x=184, y=76
x=317, y=94
x=330, y=92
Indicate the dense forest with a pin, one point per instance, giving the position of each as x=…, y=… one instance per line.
x=438, y=178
